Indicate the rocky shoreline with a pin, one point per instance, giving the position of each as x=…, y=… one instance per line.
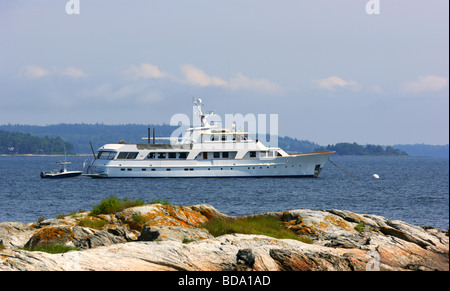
x=170, y=237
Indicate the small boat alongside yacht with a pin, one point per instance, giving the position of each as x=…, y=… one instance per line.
x=62, y=172
x=205, y=151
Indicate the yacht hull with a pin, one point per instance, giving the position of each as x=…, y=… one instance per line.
x=306, y=165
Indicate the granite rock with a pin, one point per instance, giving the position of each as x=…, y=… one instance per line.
x=170, y=237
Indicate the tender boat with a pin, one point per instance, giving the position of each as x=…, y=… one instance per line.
x=206, y=151
x=62, y=173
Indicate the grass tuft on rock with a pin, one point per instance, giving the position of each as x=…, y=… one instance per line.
x=97, y=224
x=261, y=224
x=52, y=248
x=113, y=204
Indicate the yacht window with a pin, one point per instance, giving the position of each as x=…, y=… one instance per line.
x=225, y=155
x=122, y=155
x=112, y=155
x=127, y=155
x=106, y=155
x=216, y=155
x=223, y=138
x=150, y=156
x=132, y=155
x=172, y=155
x=161, y=155
x=252, y=154
x=182, y=155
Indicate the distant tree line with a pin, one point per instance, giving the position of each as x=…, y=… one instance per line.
x=25, y=143
x=359, y=150
x=424, y=150
x=99, y=134
x=80, y=134
x=293, y=145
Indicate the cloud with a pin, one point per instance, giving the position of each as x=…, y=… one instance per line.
x=194, y=76
x=73, y=73
x=33, y=72
x=197, y=77
x=430, y=83
x=145, y=71
x=332, y=82
x=259, y=85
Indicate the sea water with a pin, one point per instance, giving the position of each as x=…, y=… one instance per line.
x=412, y=189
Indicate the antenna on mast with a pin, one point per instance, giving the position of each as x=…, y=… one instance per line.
x=228, y=89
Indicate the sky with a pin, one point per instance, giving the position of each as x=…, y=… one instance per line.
x=371, y=72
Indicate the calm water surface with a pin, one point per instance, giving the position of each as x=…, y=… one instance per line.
x=412, y=189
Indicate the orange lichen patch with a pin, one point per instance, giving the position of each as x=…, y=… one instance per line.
x=163, y=215
x=305, y=230
x=50, y=235
x=315, y=224
x=185, y=215
x=300, y=228
x=173, y=215
x=336, y=221
x=206, y=212
x=356, y=217
x=162, y=218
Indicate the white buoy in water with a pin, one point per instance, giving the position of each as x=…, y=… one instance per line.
x=376, y=176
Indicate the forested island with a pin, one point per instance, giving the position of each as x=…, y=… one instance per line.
x=51, y=139
x=25, y=143
x=345, y=148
